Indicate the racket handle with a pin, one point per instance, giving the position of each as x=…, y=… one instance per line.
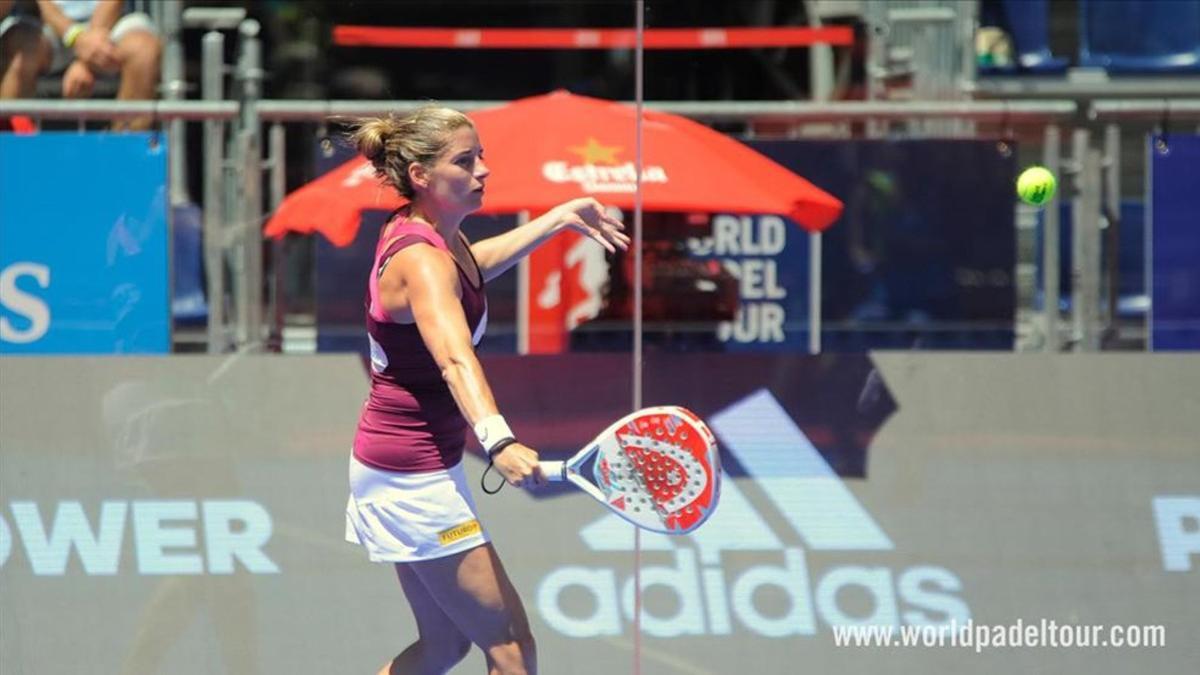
x=555, y=471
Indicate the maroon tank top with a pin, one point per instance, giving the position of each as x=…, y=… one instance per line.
x=410, y=422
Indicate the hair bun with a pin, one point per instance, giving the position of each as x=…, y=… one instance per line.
x=371, y=138
x=393, y=143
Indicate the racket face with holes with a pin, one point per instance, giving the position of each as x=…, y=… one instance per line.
x=659, y=469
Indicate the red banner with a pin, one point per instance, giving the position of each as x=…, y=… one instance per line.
x=590, y=38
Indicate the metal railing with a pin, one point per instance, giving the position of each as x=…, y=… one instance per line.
x=41, y=109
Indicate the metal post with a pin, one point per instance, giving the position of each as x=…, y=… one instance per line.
x=1112, y=202
x=249, y=285
x=820, y=58
x=1079, y=145
x=277, y=182
x=277, y=164
x=250, y=72
x=1050, y=245
x=1085, y=231
x=878, y=36
x=233, y=177
x=212, y=88
x=1091, y=233
x=814, y=293
x=968, y=25
x=174, y=88
x=1090, y=317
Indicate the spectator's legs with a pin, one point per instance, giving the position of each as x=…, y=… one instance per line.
x=24, y=54
x=140, y=54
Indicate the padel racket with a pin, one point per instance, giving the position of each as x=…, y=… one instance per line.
x=658, y=468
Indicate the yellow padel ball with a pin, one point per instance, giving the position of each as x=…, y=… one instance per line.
x=1036, y=185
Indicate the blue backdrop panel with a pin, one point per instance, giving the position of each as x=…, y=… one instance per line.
x=83, y=244
x=922, y=257
x=1175, y=242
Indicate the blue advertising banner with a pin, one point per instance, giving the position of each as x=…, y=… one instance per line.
x=83, y=244
x=1174, y=242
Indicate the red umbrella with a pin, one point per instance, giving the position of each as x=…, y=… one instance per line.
x=547, y=149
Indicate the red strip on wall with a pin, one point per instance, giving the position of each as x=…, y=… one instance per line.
x=589, y=38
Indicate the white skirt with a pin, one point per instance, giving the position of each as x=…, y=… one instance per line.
x=405, y=517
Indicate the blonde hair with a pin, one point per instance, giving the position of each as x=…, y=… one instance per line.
x=394, y=143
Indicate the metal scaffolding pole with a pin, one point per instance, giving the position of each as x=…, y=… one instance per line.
x=1112, y=211
x=1085, y=244
x=248, y=282
x=174, y=88
x=277, y=190
x=1011, y=112
x=212, y=89
x=1051, y=152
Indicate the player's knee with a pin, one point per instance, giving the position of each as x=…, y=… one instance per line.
x=141, y=52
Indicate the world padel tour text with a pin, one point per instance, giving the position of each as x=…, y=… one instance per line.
x=979, y=636
x=747, y=248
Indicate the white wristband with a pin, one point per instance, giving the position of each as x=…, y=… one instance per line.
x=491, y=430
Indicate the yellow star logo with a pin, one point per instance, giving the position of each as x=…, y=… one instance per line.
x=595, y=153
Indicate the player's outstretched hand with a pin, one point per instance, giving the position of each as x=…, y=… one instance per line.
x=590, y=218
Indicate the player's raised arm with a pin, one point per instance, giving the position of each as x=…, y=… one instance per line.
x=585, y=215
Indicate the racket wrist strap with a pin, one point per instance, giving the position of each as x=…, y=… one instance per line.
x=496, y=449
x=483, y=480
x=491, y=432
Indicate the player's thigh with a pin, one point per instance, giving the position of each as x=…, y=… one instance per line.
x=473, y=589
x=432, y=623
